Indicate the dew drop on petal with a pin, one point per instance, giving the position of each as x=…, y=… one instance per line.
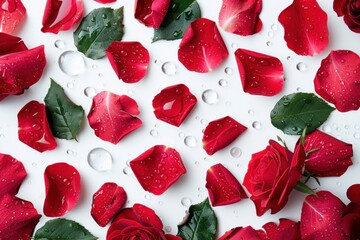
x=90, y=92
x=186, y=202
x=235, y=152
x=71, y=63
x=301, y=66
x=99, y=159
x=190, y=141
x=228, y=71
x=210, y=96
x=169, y=68
x=256, y=124
x=59, y=44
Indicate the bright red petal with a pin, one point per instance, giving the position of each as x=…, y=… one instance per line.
x=337, y=80
x=158, y=168
x=61, y=15
x=220, y=133
x=321, y=217
x=129, y=60
x=18, y=218
x=240, y=233
x=286, y=229
x=10, y=44
x=173, y=104
x=260, y=74
x=202, y=48
x=12, y=174
x=62, y=189
x=111, y=116
x=107, y=202
x=222, y=186
x=105, y=1
x=12, y=13
x=241, y=16
x=305, y=25
x=151, y=12
x=353, y=194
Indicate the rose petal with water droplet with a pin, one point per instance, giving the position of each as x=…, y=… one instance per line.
x=33, y=127
x=11, y=44
x=62, y=189
x=130, y=60
x=287, y=229
x=305, y=25
x=241, y=17
x=173, y=104
x=202, y=48
x=12, y=174
x=151, y=12
x=260, y=74
x=220, y=133
x=11, y=17
x=112, y=116
x=337, y=80
x=246, y=233
x=158, y=168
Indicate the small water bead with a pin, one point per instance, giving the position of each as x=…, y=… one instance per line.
x=274, y=27
x=100, y=159
x=301, y=66
x=181, y=135
x=127, y=171
x=186, y=202
x=223, y=83
x=71, y=63
x=34, y=164
x=168, y=229
x=210, y=96
x=228, y=71
x=256, y=125
x=154, y=133
x=70, y=85
x=147, y=196
x=90, y=92
x=251, y=112
x=271, y=34
x=299, y=89
x=169, y=68
x=357, y=126
x=338, y=184
x=130, y=92
x=70, y=152
x=269, y=43
x=203, y=121
x=326, y=128
x=190, y=141
x=357, y=135
x=234, y=45
x=59, y=44
x=235, y=152
x=289, y=58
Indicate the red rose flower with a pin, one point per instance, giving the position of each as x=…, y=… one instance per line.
x=351, y=215
x=350, y=10
x=12, y=13
x=271, y=176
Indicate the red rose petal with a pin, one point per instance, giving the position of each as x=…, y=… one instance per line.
x=240, y=233
x=107, y=202
x=12, y=13
x=332, y=157
x=353, y=194
x=220, y=133
x=34, y=129
x=337, y=80
x=321, y=217
x=151, y=12
x=338, y=6
x=241, y=17
x=62, y=189
x=287, y=229
x=222, y=186
x=18, y=218
x=260, y=74
x=10, y=44
x=12, y=174
x=158, y=168
x=173, y=104
x=111, y=116
x=305, y=25
x=129, y=60
x=202, y=48
x=105, y=1
x=61, y=15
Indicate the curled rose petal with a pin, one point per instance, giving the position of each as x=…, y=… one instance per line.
x=151, y=12
x=12, y=173
x=305, y=25
x=353, y=193
x=241, y=233
x=111, y=116
x=11, y=44
x=260, y=74
x=18, y=218
x=173, y=104
x=158, y=168
x=287, y=229
x=241, y=16
x=12, y=14
x=61, y=15
x=202, y=48
x=62, y=189
x=220, y=133
x=222, y=186
x=129, y=60
x=337, y=80
x=107, y=202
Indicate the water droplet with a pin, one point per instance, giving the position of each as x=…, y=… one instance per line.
x=147, y=196
x=70, y=152
x=338, y=184
x=186, y=202
x=203, y=121
x=127, y=170
x=299, y=89
x=223, y=82
x=181, y=135
x=302, y=67
x=71, y=63
x=168, y=229
x=289, y=58
x=90, y=92
x=251, y=112
x=59, y=44
x=235, y=152
x=357, y=135
x=100, y=159
x=209, y=96
x=190, y=141
x=274, y=27
x=36, y=126
x=153, y=132
x=169, y=68
x=326, y=128
x=256, y=124
x=70, y=85
x=234, y=45
x=177, y=34
x=269, y=43
x=271, y=34
x=104, y=16
x=34, y=164
x=228, y=71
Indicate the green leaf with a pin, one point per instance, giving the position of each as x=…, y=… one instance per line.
x=294, y=112
x=302, y=187
x=63, y=229
x=98, y=30
x=64, y=116
x=200, y=224
x=180, y=14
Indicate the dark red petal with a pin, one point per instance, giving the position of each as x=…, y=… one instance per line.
x=151, y=12
x=220, y=133
x=12, y=174
x=353, y=194
x=158, y=168
x=287, y=229
x=240, y=233
x=241, y=17
x=173, y=104
x=337, y=80
x=18, y=218
x=11, y=15
x=34, y=129
x=305, y=25
x=107, y=202
x=129, y=60
x=202, y=48
x=61, y=15
x=222, y=186
x=105, y=1
x=62, y=189
x=20, y=70
x=172, y=237
x=331, y=157
x=321, y=217
x=260, y=74
x=338, y=6
x=10, y=44
x=111, y=116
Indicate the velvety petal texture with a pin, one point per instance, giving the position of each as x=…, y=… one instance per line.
x=11, y=44
x=12, y=14
x=351, y=215
x=241, y=233
x=286, y=229
x=12, y=174
x=151, y=12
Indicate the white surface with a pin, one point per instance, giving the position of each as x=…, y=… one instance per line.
x=232, y=101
